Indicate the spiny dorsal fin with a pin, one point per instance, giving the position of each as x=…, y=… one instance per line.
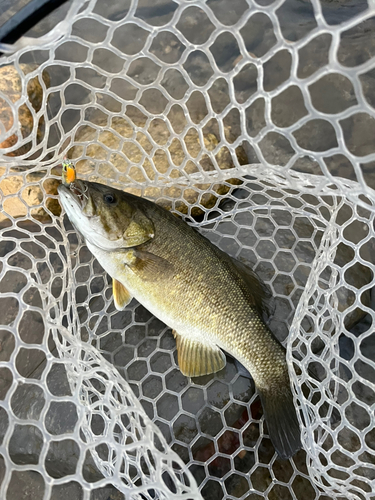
x=149, y=267
x=121, y=296
x=196, y=359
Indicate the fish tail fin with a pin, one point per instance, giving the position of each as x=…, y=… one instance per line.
x=281, y=418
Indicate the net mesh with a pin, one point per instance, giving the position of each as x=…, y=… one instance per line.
x=253, y=120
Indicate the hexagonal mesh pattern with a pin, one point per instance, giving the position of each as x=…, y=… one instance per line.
x=253, y=120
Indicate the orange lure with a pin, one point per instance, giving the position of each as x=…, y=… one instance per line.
x=68, y=172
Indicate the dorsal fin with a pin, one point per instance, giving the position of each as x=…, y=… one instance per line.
x=261, y=294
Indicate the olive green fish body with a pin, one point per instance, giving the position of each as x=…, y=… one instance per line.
x=203, y=295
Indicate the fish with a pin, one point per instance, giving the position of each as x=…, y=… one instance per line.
x=212, y=303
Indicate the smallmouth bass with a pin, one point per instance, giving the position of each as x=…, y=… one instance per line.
x=212, y=302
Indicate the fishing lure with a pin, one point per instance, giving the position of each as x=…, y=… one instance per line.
x=69, y=174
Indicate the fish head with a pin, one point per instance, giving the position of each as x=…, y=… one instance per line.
x=105, y=216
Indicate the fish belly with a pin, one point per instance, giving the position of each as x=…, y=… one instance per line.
x=165, y=310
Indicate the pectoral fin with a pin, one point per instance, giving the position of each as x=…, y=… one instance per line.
x=196, y=359
x=149, y=267
x=121, y=296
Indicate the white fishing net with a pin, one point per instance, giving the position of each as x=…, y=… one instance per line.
x=254, y=120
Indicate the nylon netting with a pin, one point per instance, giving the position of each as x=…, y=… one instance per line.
x=253, y=120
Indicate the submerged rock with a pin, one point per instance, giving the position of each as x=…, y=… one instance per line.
x=125, y=159
x=21, y=197
x=11, y=89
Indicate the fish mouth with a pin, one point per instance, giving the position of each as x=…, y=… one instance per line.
x=76, y=191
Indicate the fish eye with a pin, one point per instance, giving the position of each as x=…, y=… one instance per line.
x=109, y=198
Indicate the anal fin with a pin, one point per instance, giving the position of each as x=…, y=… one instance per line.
x=196, y=358
x=121, y=295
